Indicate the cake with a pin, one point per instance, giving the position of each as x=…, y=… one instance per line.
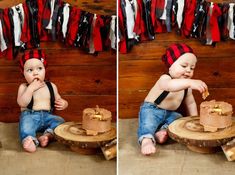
x=96, y=120
x=215, y=115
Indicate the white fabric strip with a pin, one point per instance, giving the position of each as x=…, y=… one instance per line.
x=91, y=42
x=2, y=41
x=66, y=19
x=49, y=26
x=179, y=16
x=163, y=17
x=112, y=35
x=230, y=25
x=130, y=20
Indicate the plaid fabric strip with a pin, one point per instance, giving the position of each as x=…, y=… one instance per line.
x=96, y=33
x=74, y=20
x=189, y=11
x=7, y=27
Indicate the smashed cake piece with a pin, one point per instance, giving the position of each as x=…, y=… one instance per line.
x=205, y=94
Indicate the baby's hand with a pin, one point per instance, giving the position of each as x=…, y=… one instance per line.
x=60, y=104
x=198, y=85
x=36, y=84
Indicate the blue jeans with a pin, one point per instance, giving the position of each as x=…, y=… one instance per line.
x=32, y=122
x=153, y=119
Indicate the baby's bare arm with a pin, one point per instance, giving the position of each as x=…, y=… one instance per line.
x=190, y=104
x=25, y=92
x=60, y=103
x=174, y=85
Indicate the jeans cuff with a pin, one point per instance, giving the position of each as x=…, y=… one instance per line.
x=49, y=130
x=150, y=136
x=35, y=140
x=164, y=127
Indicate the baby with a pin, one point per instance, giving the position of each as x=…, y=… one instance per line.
x=171, y=89
x=37, y=98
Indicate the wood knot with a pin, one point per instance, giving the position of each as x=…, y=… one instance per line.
x=98, y=81
x=216, y=73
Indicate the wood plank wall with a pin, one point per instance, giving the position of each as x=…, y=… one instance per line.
x=141, y=68
x=84, y=80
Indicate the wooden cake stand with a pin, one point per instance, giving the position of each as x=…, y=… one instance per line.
x=72, y=134
x=189, y=131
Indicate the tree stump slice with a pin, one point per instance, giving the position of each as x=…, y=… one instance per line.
x=72, y=134
x=189, y=131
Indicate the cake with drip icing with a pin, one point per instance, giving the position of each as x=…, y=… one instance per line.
x=96, y=120
x=215, y=115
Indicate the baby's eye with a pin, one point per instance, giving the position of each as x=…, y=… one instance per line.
x=184, y=66
x=29, y=70
x=39, y=68
x=192, y=68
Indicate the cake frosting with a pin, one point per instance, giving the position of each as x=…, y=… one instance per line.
x=215, y=115
x=96, y=120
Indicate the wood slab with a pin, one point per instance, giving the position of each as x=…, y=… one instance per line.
x=72, y=134
x=229, y=150
x=189, y=131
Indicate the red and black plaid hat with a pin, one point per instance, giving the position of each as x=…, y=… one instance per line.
x=174, y=52
x=33, y=53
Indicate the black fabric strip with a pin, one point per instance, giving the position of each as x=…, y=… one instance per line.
x=52, y=94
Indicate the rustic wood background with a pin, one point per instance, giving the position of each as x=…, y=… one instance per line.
x=141, y=68
x=82, y=79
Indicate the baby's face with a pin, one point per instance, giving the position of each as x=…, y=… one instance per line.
x=184, y=66
x=34, y=69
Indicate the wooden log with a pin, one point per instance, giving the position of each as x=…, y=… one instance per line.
x=229, y=150
x=188, y=131
x=72, y=134
x=110, y=149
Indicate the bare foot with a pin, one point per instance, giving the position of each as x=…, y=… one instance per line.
x=44, y=139
x=29, y=145
x=147, y=147
x=161, y=136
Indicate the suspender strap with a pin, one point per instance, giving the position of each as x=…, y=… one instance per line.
x=52, y=99
x=30, y=105
x=185, y=94
x=163, y=95
x=52, y=94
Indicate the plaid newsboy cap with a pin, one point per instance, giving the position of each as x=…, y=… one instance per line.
x=174, y=52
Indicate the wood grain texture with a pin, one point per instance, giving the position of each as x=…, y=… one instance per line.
x=102, y=7
x=187, y=130
x=84, y=80
x=142, y=66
